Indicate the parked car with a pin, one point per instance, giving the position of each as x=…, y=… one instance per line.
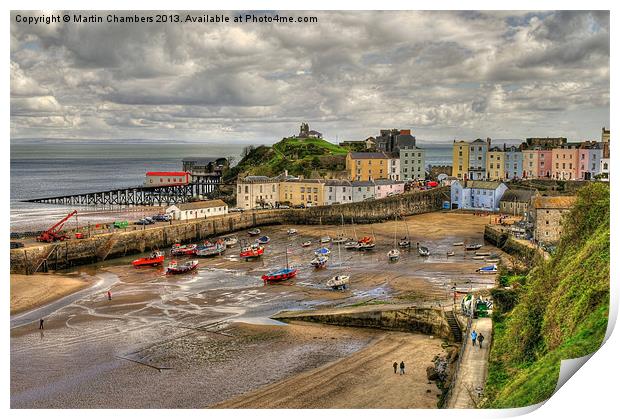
x=142, y=222
x=284, y=207
x=162, y=217
x=299, y=206
x=149, y=220
x=236, y=209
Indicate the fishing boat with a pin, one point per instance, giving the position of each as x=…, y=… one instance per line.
x=280, y=274
x=457, y=244
x=154, y=259
x=448, y=254
x=483, y=254
x=326, y=239
x=473, y=246
x=186, y=250
x=306, y=243
x=319, y=261
x=174, y=268
x=491, y=269
x=291, y=231
x=393, y=255
x=211, y=249
x=252, y=251
x=423, y=251
x=323, y=251
x=477, y=257
x=338, y=281
x=254, y=232
x=230, y=241
x=263, y=240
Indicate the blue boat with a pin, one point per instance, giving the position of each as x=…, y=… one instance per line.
x=491, y=269
x=263, y=240
x=323, y=251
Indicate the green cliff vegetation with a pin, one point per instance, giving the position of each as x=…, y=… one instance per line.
x=300, y=156
x=557, y=311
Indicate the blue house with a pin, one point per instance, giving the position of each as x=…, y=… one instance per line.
x=513, y=162
x=477, y=195
x=478, y=159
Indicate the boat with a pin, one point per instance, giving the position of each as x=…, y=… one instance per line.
x=477, y=257
x=483, y=253
x=394, y=255
x=491, y=269
x=306, y=243
x=254, y=232
x=326, y=239
x=280, y=274
x=291, y=231
x=338, y=281
x=263, y=240
x=210, y=250
x=457, y=244
x=174, y=268
x=154, y=259
x=319, y=261
x=230, y=241
x=186, y=250
x=339, y=240
x=423, y=251
x=323, y=251
x=492, y=260
x=252, y=251
x=473, y=246
x=351, y=245
x=405, y=242
x=448, y=254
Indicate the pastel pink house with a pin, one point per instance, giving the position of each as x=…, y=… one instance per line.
x=385, y=188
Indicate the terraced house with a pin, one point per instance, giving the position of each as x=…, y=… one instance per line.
x=478, y=159
x=258, y=191
x=367, y=166
x=460, y=159
x=309, y=192
x=412, y=163
x=495, y=163
x=513, y=162
x=337, y=192
x=564, y=161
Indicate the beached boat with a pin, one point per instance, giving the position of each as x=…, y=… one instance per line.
x=326, y=239
x=483, y=253
x=306, y=243
x=291, y=231
x=393, y=255
x=319, y=262
x=174, y=268
x=280, y=274
x=457, y=244
x=211, y=249
x=323, y=251
x=154, y=259
x=404, y=242
x=254, y=232
x=230, y=241
x=491, y=269
x=448, y=254
x=263, y=240
x=473, y=246
x=186, y=250
x=351, y=245
x=252, y=251
x=423, y=251
x=477, y=257
x=339, y=240
x=338, y=281
x=365, y=246
x=492, y=260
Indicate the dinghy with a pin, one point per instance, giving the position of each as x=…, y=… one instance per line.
x=230, y=241
x=174, y=268
x=154, y=259
x=319, y=261
x=254, y=232
x=423, y=251
x=338, y=281
x=291, y=231
x=263, y=240
x=306, y=243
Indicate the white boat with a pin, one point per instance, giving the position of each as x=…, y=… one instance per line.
x=210, y=250
x=351, y=245
x=306, y=243
x=365, y=246
x=423, y=251
x=492, y=260
x=338, y=281
x=319, y=261
x=477, y=257
x=339, y=240
x=450, y=254
x=473, y=246
x=483, y=253
x=291, y=231
x=393, y=255
x=404, y=242
x=326, y=239
x=230, y=241
x=457, y=244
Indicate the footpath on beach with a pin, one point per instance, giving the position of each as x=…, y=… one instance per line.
x=472, y=374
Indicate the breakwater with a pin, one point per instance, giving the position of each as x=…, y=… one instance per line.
x=69, y=253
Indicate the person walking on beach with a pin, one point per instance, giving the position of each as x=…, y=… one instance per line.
x=41, y=324
x=474, y=335
x=109, y=296
x=395, y=365
x=402, y=367
x=480, y=339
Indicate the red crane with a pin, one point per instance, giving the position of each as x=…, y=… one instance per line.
x=54, y=232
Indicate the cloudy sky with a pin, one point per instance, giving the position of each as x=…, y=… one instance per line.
x=445, y=75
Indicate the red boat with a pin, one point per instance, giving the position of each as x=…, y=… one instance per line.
x=187, y=250
x=279, y=275
x=155, y=259
x=365, y=239
x=252, y=251
x=174, y=268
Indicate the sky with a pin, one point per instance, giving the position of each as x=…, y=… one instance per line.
x=444, y=75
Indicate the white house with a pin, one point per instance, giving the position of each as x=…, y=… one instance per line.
x=604, y=166
x=363, y=190
x=337, y=192
x=477, y=195
x=198, y=209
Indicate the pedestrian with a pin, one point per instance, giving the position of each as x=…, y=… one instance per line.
x=480, y=339
x=474, y=335
x=109, y=296
x=395, y=365
x=402, y=367
x=41, y=324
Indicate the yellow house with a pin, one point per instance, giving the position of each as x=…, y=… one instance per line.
x=495, y=164
x=460, y=159
x=302, y=191
x=367, y=166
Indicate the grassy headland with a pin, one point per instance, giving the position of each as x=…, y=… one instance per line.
x=559, y=312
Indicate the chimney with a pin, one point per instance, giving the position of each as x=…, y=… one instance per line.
x=405, y=132
x=285, y=173
x=488, y=143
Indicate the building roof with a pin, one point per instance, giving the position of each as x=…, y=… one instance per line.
x=554, y=202
x=202, y=160
x=388, y=182
x=200, y=204
x=483, y=184
x=296, y=180
x=362, y=183
x=167, y=173
x=257, y=179
x=337, y=182
x=370, y=155
x=518, y=195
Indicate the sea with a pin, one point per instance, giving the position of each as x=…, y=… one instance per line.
x=51, y=168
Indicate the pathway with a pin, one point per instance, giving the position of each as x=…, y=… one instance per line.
x=474, y=366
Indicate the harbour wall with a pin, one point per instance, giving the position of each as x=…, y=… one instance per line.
x=74, y=252
x=521, y=249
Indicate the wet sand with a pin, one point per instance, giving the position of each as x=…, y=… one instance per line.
x=212, y=327
x=31, y=291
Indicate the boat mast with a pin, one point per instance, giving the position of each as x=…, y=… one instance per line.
x=354, y=232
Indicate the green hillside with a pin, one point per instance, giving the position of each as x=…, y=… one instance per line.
x=560, y=312
x=300, y=156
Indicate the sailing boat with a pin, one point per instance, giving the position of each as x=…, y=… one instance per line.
x=319, y=261
x=405, y=242
x=352, y=245
x=340, y=238
x=324, y=239
x=423, y=250
x=280, y=274
x=338, y=281
x=394, y=254
x=367, y=242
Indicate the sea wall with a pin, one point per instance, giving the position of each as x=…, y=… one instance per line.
x=105, y=246
x=505, y=241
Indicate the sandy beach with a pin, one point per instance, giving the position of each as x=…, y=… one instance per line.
x=32, y=291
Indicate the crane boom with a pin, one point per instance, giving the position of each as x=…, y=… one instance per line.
x=52, y=234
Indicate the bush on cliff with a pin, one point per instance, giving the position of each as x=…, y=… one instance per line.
x=560, y=311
